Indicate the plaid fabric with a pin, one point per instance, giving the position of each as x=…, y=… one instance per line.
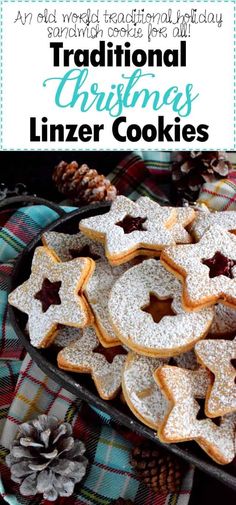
x=220, y=195
x=25, y=391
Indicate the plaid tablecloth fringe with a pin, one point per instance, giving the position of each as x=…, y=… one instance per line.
x=25, y=391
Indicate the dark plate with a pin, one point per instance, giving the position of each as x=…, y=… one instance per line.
x=81, y=385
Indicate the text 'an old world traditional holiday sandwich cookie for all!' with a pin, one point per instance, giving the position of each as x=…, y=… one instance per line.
x=131, y=228
x=53, y=295
x=185, y=419
x=99, y=285
x=207, y=269
x=147, y=314
x=219, y=356
x=87, y=355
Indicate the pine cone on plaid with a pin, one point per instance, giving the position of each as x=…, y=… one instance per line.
x=82, y=184
x=158, y=469
x=45, y=458
x=191, y=169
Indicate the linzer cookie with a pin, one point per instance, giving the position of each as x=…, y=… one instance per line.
x=204, y=220
x=207, y=269
x=130, y=227
x=224, y=322
x=185, y=419
x=147, y=314
x=219, y=356
x=100, y=283
x=87, y=355
x=141, y=392
x=184, y=217
x=53, y=295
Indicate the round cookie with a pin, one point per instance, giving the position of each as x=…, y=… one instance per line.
x=147, y=314
x=142, y=394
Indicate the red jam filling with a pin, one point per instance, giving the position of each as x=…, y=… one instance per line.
x=130, y=224
x=110, y=352
x=83, y=252
x=49, y=294
x=158, y=308
x=219, y=265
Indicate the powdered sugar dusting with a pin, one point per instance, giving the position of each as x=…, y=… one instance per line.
x=99, y=285
x=217, y=355
x=141, y=391
x=80, y=357
x=173, y=333
x=184, y=386
x=224, y=321
x=204, y=220
x=72, y=310
x=189, y=258
x=156, y=234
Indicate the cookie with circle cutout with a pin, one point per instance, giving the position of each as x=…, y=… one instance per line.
x=53, y=295
x=207, y=269
x=219, y=356
x=203, y=221
x=87, y=355
x=185, y=420
x=98, y=288
x=147, y=314
x=129, y=227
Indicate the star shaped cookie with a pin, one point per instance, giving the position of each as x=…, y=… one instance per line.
x=99, y=285
x=207, y=269
x=204, y=220
x=87, y=355
x=53, y=295
x=219, y=356
x=130, y=228
x=185, y=420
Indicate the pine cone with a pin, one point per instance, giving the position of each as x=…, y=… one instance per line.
x=45, y=458
x=82, y=184
x=158, y=469
x=191, y=169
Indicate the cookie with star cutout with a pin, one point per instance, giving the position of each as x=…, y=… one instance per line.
x=185, y=418
x=132, y=228
x=219, y=356
x=87, y=355
x=147, y=314
x=207, y=269
x=99, y=285
x=53, y=295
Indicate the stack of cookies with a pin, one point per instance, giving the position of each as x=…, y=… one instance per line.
x=144, y=298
